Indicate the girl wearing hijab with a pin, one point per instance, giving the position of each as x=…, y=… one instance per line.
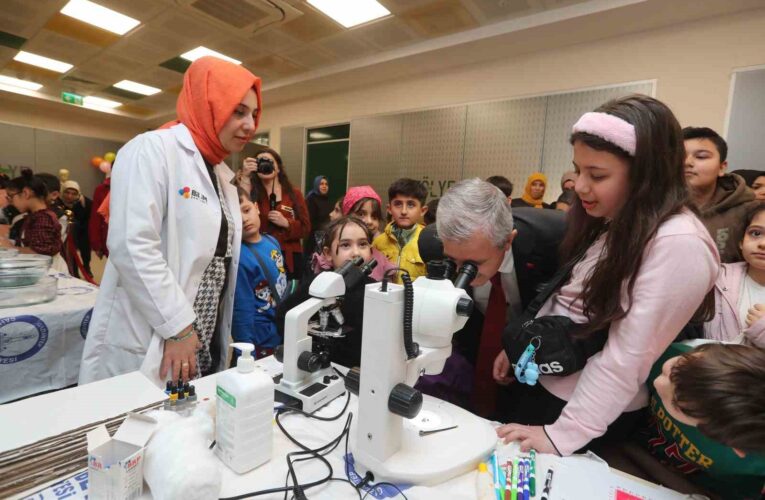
x=166, y=298
x=533, y=193
x=319, y=208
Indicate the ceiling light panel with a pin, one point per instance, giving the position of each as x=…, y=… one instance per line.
x=351, y=13
x=98, y=102
x=138, y=88
x=195, y=54
x=15, y=82
x=42, y=62
x=99, y=16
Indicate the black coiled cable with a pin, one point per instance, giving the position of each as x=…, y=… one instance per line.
x=411, y=347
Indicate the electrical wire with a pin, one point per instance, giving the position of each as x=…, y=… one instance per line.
x=298, y=488
x=386, y=483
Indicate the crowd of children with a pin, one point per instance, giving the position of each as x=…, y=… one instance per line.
x=704, y=427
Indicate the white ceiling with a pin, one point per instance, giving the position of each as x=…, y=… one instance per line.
x=300, y=52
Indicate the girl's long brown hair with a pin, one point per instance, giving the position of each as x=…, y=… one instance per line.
x=657, y=191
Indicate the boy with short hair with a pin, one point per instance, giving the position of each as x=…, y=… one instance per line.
x=261, y=275
x=722, y=199
x=504, y=185
x=406, y=206
x=707, y=408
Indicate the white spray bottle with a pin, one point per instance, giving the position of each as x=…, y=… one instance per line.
x=245, y=409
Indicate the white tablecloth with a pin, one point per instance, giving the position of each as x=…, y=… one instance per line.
x=577, y=477
x=41, y=345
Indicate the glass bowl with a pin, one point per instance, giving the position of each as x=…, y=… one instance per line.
x=43, y=291
x=23, y=269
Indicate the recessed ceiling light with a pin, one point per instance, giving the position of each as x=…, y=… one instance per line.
x=42, y=62
x=195, y=54
x=99, y=16
x=15, y=82
x=351, y=13
x=97, y=102
x=138, y=88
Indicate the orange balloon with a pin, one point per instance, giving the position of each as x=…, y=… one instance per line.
x=96, y=161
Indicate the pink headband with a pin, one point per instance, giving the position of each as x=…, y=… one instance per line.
x=610, y=128
x=357, y=193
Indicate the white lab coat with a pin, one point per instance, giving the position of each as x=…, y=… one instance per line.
x=160, y=243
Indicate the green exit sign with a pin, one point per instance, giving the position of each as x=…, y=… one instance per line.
x=71, y=98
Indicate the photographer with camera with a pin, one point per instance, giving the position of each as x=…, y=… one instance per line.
x=283, y=212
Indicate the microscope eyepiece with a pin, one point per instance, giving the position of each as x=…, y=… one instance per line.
x=466, y=275
x=354, y=262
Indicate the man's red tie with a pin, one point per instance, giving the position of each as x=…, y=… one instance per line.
x=485, y=388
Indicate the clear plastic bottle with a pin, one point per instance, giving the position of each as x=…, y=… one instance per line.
x=484, y=486
x=245, y=406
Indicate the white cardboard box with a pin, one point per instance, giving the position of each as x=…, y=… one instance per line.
x=115, y=464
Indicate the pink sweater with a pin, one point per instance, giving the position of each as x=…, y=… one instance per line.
x=725, y=326
x=679, y=267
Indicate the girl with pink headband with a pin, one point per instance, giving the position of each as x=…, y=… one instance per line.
x=640, y=265
x=365, y=203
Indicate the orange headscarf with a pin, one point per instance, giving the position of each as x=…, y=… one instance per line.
x=212, y=89
x=536, y=176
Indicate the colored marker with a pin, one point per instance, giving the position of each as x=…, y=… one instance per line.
x=533, y=474
x=514, y=484
x=521, y=479
x=548, y=484
x=495, y=469
x=526, y=492
x=508, y=479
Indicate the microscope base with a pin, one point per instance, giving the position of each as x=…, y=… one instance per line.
x=433, y=458
x=323, y=387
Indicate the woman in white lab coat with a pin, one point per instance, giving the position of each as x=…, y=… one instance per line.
x=166, y=297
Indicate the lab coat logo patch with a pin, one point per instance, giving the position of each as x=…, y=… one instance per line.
x=21, y=337
x=193, y=194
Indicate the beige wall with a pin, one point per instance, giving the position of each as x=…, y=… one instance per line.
x=691, y=62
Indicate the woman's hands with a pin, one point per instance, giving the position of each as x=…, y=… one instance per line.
x=249, y=166
x=180, y=356
x=277, y=218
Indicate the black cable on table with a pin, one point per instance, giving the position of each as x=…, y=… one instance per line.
x=315, y=453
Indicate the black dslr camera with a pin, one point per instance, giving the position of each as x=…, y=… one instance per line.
x=265, y=165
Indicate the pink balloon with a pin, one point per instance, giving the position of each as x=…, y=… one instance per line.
x=105, y=167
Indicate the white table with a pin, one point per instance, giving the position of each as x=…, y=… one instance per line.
x=27, y=421
x=41, y=345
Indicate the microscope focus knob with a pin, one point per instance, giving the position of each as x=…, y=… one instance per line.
x=465, y=307
x=353, y=380
x=405, y=401
x=279, y=353
x=309, y=361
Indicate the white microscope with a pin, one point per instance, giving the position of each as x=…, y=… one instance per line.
x=308, y=380
x=401, y=435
